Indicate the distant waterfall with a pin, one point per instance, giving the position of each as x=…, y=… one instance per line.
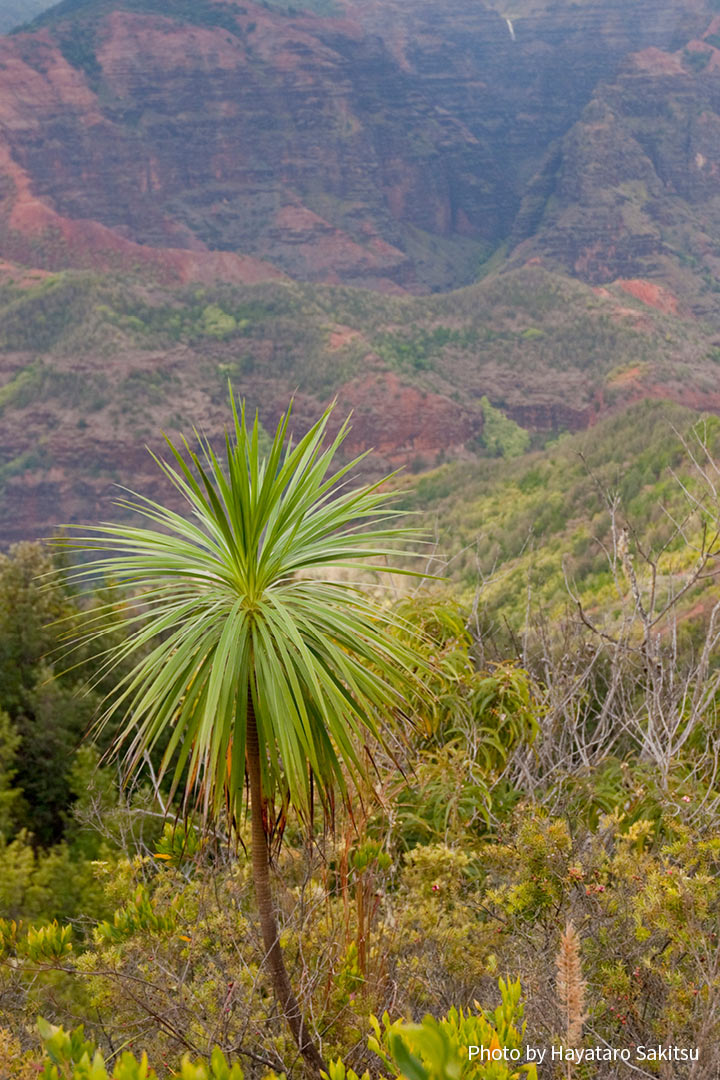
x=510, y=28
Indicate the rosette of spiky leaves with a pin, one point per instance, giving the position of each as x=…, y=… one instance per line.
x=239, y=604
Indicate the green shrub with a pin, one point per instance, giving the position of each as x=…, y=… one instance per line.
x=69, y=1056
x=217, y=323
x=440, y=1049
x=431, y=1050
x=417, y=349
x=502, y=436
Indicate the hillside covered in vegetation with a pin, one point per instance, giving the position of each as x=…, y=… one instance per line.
x=546, y=526
x=93, y=368
x=553, y=801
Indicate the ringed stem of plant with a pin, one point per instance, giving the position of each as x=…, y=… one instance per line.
x=263, y=895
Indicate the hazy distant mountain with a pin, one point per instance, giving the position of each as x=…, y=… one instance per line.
x=16, y=12
x=392, y=144
x=559, y=161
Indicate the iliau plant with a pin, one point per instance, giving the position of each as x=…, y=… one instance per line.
x=253, y=656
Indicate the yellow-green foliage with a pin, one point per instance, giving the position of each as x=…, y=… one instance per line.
x=502, y=703
x=41, y=944
x=501, y=436
x=14, y=1063
x=534, y=524
x=68, y=1056
x=48, y=943
x=442, y=939
x=439, y=1049
x=140, y=914
x=449, y=921
x=218, y=323
x=9, y=930
x=432, y=1050
x=178, y=844
x=472, y=724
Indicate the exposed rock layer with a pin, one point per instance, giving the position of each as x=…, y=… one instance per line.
x=391, y=145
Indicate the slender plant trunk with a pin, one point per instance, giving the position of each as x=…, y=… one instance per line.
x=360, y=899
x=263, y=894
